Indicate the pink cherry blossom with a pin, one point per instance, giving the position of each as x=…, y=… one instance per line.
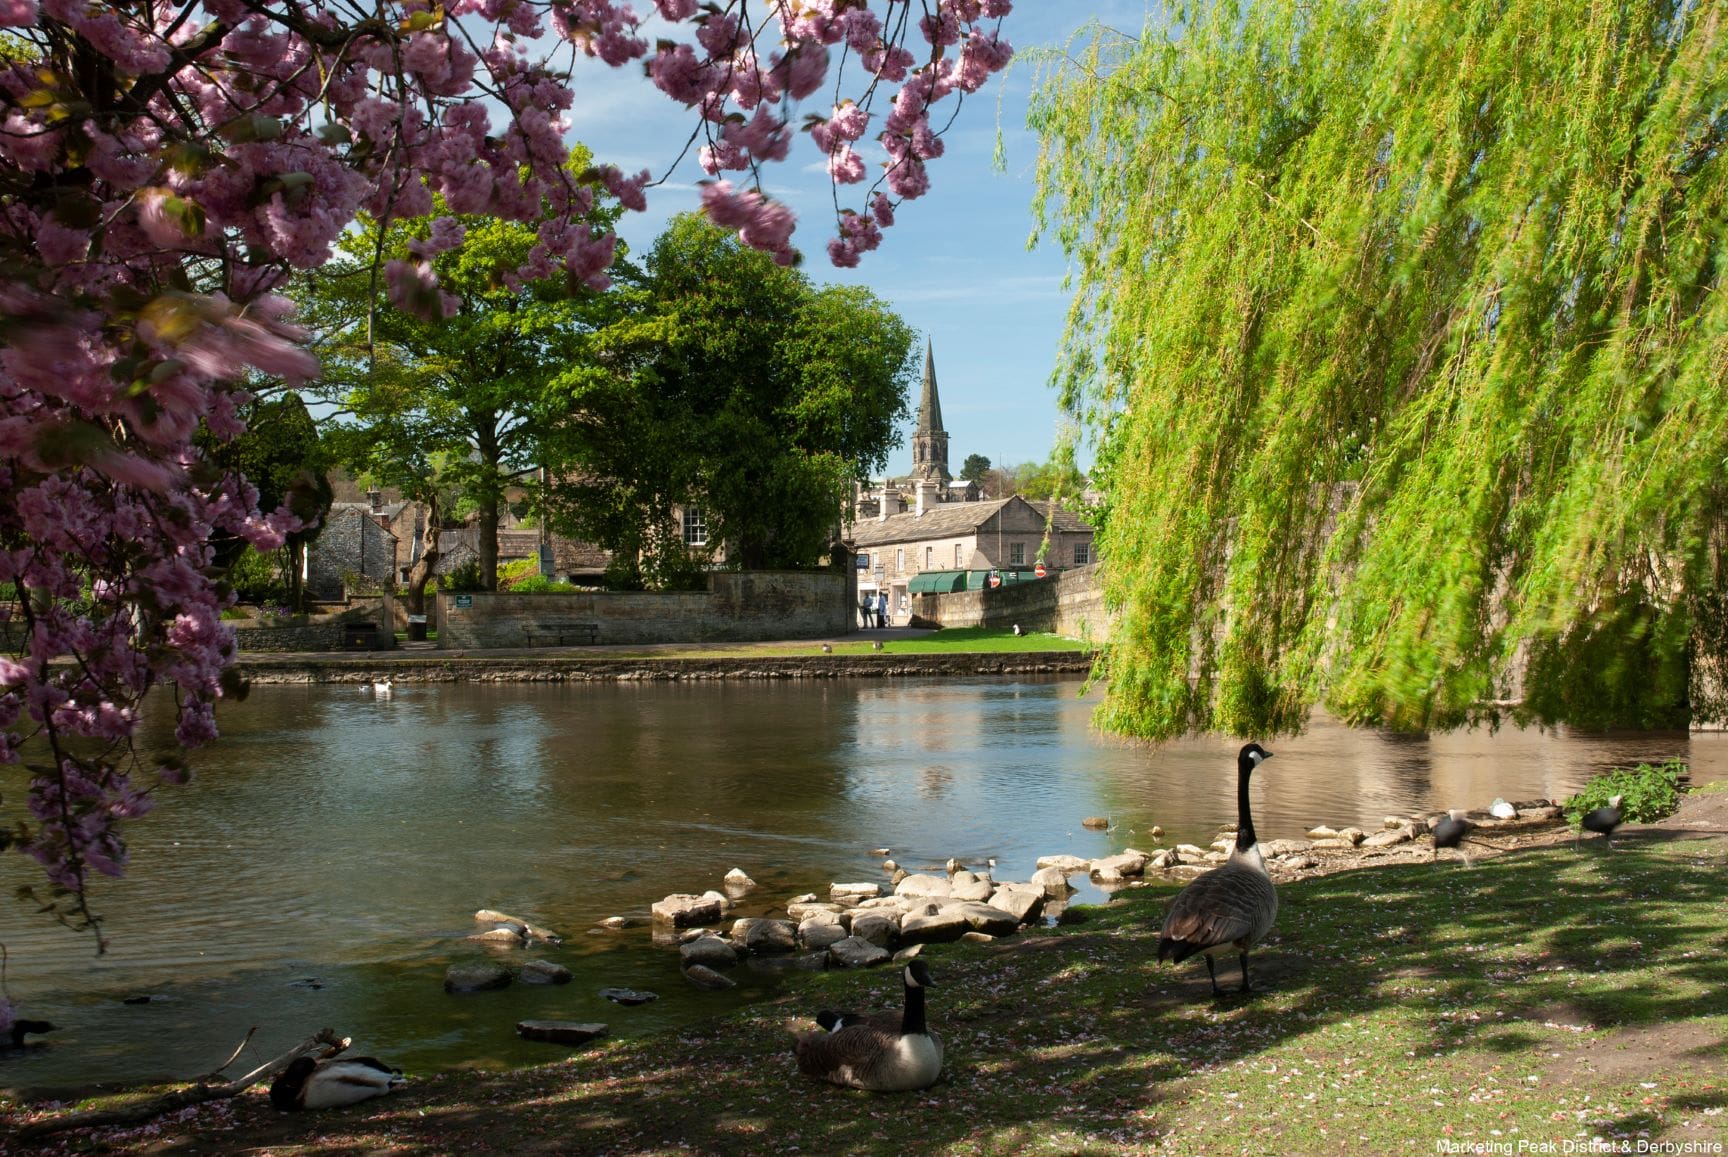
x=164, y=189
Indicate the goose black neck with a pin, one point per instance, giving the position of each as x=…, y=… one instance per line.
x=912, y=1020
x=1244, y=817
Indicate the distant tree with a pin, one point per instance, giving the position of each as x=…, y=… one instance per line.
x=280, y=452
x=469, y=386
x=975, y=469
x=730, y=384
x=1055, y=477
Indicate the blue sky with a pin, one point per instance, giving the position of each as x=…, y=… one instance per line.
x=955, y=265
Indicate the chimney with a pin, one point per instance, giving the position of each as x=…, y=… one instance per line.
x=376, y=498
x=923, y=488
x=882, y=505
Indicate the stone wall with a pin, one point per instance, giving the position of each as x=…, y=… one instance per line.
x=737, y=607
x=1069, y=603
x=316, y=632
x=579, y=666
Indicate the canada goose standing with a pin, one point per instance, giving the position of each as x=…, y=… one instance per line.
x=309, y=1084
x=887, y=1052
x=1017, y=629
x=1603, y=819
x=1234, y=904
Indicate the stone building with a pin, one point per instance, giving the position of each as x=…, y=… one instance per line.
x=355, y=553
x=925, y=532
x=963, y=545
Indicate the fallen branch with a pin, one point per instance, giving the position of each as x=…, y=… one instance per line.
x=181, y=1098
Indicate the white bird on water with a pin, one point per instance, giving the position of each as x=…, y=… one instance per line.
x=384, y=689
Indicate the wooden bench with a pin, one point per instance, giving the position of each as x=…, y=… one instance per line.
x=561, y=631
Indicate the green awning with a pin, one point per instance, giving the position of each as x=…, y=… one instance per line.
x=937, y=582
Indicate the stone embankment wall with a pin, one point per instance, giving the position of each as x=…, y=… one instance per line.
x=316, y=633
x=736, y=608
x=407, y=667
x=1068, y=603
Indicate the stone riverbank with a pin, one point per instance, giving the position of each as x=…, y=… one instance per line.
x=564, y=666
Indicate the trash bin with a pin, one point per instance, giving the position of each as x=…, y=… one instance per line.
x=416, y=628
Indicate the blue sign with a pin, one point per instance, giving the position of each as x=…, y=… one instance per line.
x=463, y=602
x=863, y=560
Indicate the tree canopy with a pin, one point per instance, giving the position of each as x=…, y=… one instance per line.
x=975, y=468
x=462, y=397
x=1402, y=324
x=730, y=384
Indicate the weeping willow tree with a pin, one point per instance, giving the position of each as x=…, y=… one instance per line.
x=1400, y=324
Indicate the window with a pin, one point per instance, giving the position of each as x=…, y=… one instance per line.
x=900, y=562
x=695, y=527
x=1082, y=553
x=1016, y=554
x=958, y=547
x=929, y=558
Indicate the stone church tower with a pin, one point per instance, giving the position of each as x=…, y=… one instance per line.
x=930, y=440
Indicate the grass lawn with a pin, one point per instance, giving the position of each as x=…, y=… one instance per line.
x=954, y=640
x=1542, y=996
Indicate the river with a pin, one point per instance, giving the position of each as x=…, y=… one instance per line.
x=323, y=866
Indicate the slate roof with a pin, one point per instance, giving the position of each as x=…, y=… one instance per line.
x=948, y=519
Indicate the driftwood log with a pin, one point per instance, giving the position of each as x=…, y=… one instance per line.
x=207, y=1089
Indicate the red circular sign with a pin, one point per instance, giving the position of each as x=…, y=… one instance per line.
x=1038, y=570
x=995, y=579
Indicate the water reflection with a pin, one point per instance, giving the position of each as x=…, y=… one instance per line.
x=322, y=868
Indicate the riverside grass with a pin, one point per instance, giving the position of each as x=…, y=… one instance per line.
x=1543, y=996
x=950, y=640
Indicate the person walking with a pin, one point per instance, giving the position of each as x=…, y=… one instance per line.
x=882, y=609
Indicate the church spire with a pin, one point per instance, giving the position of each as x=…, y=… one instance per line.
x=930, y=440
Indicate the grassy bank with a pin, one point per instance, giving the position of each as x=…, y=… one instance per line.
x=951, y=641
x=1546, y=995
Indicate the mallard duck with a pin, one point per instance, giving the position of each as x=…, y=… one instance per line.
x=886, y=1052
x=1230, y=905
x=310, y=1084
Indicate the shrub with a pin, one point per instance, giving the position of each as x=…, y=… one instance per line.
x=537, y=584
x=1648, y=792
x=464, y=578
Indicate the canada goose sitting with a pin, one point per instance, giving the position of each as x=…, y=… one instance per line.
x=832, y=1021
x=309, y=1084
x=875, y=644
x=827, y=648
x=1603, y=819
x=21, y=1027
x=887, y=1052
x=1234, y=904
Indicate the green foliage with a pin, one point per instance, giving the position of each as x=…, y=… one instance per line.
x=1648, y=792
x=257, y=578
x=730, y=383
x=466, y=577
x=539, y=584
x=460, y=404
x=975, y=468
x=1056, y=477
x=1401, y=325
